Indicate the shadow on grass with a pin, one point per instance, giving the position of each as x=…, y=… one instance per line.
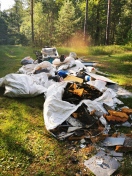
x=14, y=146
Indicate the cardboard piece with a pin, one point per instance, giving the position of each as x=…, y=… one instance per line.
x=73, y=78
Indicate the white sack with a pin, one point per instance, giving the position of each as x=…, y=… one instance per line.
x=56, y=111
x=109, y=97
x=31, y=68
x=45, y=65
x=27, y=60
x=100, y=85
x=67, y=65
x=57, y=61
x=27, y=69
x=76, y=68
x=21, y=85
x=2, y=82
x=90, y=69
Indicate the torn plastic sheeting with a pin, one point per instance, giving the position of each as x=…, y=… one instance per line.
x=109, y=98
x=26, y=69
x=21, y=85
x=120, y=91
x=102, y=164
x=45, y=65
x=99, y=84
x=37, y=67
x=56, y=90
x=78, y=66
x=56, y=111
x=93, y=105
x=113, y=141
x=99, y=77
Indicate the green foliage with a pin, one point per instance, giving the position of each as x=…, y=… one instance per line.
x=64, y=27
x=55, y=22
x=3, y=31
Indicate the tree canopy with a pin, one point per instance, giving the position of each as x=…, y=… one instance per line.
x=55, y=22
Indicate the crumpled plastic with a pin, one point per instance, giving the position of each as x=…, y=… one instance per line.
x=22, y=85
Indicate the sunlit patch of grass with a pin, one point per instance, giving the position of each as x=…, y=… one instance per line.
x=106, y=50
x=121, y=79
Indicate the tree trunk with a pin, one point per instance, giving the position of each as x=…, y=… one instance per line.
x=86, y=21
x=32, y=24
x=97, y=27
x=108, y=23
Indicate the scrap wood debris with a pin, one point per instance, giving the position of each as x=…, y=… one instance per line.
x=80, y=105
x=76, y=91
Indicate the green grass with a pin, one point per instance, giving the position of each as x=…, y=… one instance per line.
x=26, y=147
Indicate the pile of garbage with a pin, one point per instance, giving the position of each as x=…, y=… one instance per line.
x=80, y=103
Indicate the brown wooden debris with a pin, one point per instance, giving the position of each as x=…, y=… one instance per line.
x=120, y=148
x=75, y=115
x=116, y=116
x=127, y=110
x=88, y=149
x=78, y=92
x=126, y=147
x=99, y=138
x=75, y=138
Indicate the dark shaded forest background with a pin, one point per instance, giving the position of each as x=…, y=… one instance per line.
x=67, y=23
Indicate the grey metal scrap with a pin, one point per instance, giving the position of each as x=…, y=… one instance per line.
x=102, y=164
x=112, y=141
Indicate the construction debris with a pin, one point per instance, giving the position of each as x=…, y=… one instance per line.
x=102, y=164
x=80, y=105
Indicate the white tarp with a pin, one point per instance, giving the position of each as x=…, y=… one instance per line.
x=22, y=85
x=56, y=111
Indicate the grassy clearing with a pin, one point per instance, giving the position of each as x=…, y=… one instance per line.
x=26, y=148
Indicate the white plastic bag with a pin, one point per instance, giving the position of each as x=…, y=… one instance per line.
x=27, y=60
x=21, y=85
